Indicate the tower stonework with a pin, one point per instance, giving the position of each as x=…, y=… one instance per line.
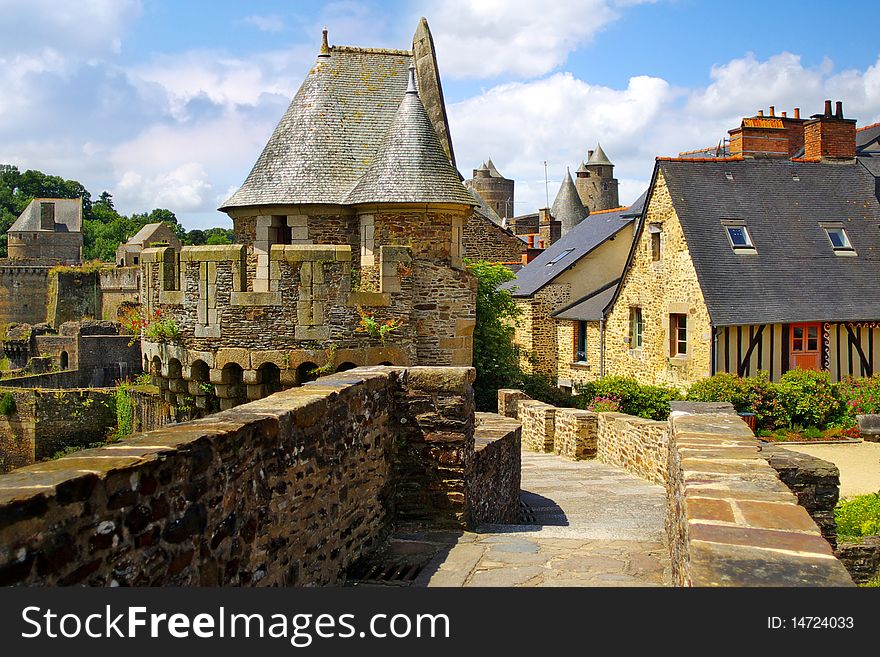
x=349, y=245
x=596, y=184
x=495, y=189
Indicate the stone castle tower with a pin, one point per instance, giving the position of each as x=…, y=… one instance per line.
x=495, y=189
x=352, y=219
x=596, y=184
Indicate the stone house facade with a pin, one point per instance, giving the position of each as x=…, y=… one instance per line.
x=586, y=262
x=757, y=261
x=338, y=233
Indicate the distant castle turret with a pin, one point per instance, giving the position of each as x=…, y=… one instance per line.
x=495, y=189
x=596, y=184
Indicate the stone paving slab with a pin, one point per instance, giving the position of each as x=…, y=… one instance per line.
x=589, y=524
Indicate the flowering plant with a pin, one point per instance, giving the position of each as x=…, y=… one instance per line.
x=154, y=327
x=375, y=329
x=607, y=404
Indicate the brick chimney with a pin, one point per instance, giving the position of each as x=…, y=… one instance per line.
x=549, y=228
x=830, y=137
x=47, y=215
x=760, y=136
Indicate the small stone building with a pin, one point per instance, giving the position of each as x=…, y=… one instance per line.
x=49, y=230
x=349, y=242
x=157, y=234
x=765, y=260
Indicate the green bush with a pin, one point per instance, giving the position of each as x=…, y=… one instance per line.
x=858, y=517
x=651, y=402
x=808, y=398
x=7, y=405
x=754, y=394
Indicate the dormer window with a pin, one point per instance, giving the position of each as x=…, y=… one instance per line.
x=559, y=257
x=738, y=235
x=838, y=237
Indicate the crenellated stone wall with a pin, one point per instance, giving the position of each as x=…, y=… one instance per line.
x=576, y=433
x=287, y=490
x=731, y=520
x=307, y=319
x=538, y=425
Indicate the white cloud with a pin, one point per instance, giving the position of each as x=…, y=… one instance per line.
x=488, y=38
x=78, y=30
x=559, y=117
x=183, y=188
x=271, y=23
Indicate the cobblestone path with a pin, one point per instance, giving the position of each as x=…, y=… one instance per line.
x=584, y=524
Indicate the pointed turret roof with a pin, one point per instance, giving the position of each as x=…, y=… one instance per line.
x=411, y=165
x=582, y=168
x=599, y=157
x=568, y=208
x=492, y=170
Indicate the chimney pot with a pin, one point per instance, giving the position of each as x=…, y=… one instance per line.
x=760, y=112
x=827, y=108
x=772, y=111
x=589, y=154
x=839, y=109
x=784, y=114
x=797, y=112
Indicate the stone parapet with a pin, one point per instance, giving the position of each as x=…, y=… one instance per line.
x=730, y=520
x=815, y=483
x=577, y=433
x=538, y=425
x=508, y=402
x=494, y=487
x=635, y=444
x=288, y=490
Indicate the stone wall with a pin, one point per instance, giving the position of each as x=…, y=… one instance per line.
x=118, y=285
x=495, y=483
x=730, y=520
x=288, y=490
x=48, y=421
x=538, y=425
x=862, y=560
x=149, y=409
x=536, y=330
x=486, y=240
x=815, y=483
x=508, y=402
x=72, y=295
x=576, y=433
x=635, y=444
x=659, y=288
x=23, y=291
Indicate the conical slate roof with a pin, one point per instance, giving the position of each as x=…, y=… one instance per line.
x=493, y=172
x=599, y=157
x=568, y=208
x=411, y=165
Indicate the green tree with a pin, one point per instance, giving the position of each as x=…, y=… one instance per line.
x=495, y=356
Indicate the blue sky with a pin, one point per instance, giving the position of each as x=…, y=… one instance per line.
x=168, y=103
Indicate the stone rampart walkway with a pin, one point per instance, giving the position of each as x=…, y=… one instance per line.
x=584, y=524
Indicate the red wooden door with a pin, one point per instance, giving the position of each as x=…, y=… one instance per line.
x=805, y=346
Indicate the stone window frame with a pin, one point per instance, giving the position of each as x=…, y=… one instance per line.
x=636, y=328
x=655, y=230
x=675, y=335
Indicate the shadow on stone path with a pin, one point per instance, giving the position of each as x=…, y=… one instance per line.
x=584, y=523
